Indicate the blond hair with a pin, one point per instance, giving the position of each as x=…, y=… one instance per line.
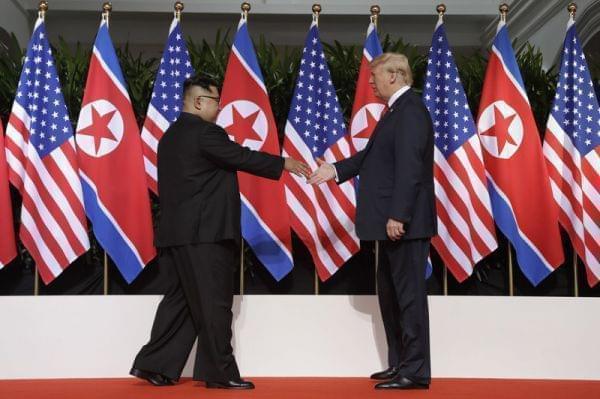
x=394, y=62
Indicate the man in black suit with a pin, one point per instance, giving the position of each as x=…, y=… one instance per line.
x=396, y=206
x=198, y=235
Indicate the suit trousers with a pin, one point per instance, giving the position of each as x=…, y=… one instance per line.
x=197, y=304
x=402, y=293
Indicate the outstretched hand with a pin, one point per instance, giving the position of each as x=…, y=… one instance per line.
x=297, y=167
x=324, y=173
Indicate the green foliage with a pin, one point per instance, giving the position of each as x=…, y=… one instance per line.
x=279, y=67
x=211, y=60
x=11, y=57
x=72, y=66
x=279, y=70
x=472, y=71
x=139, y=73
x=540, y=84
x=344, y=62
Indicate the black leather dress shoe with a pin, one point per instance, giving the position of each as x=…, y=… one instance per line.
x=401, y=383
x=155, y=379
x=386, y=374
x=234, y=384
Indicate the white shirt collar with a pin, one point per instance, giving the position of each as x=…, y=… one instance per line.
x=397, y=94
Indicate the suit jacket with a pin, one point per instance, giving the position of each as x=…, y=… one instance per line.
x=197, y=182
x=396, y=173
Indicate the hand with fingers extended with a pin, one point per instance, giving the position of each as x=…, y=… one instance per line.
x=325, y=172
x=395, y=229
x=296, y=167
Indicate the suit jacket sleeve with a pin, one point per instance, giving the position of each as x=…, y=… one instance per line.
x=216, y=146
x=349, y=167
x=410, y=144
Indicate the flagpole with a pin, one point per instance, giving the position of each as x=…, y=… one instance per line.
x=36, y=282
x=441, y=10
x=42, y=8
x=105, y=273
x=316, y=9
x=106, y=9
x=511, y=288
x=242, y=267
x=576, y=281
x=572, y=9
x=375, y=11
x=245, y=10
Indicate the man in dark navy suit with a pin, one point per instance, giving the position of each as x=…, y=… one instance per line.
x=198, y=234
x=396, y=206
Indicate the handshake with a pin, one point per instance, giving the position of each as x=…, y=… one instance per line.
x=324, y=173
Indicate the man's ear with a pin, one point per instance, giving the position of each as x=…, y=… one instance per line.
x=198, y=103
x=393, y=77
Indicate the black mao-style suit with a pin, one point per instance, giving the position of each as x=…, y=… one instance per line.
x=198, y=231
x=396, y=182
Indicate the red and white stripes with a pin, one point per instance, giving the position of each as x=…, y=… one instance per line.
x=53, y=224
x=322, y=215
x=575, y=182
x=465, y=223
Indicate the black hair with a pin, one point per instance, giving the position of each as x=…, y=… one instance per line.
x=200, y=80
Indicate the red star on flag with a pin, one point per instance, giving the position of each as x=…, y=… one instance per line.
x=499, y=129
x=99, y=128
x=242, y=128
x=366, y=132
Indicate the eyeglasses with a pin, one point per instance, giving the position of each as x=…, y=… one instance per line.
x=217, y=99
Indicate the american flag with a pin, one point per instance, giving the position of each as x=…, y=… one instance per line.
x=167, y=97
x=40, y=150
x=322, y=216
x=465, y=222
x=572, y=151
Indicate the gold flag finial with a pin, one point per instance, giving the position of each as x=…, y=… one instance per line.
x=375, y=11
x=106, y=9
x=246, y=7
x=42, y=8
x=503, y=11
x=178, y=6
x=441, y=9
x=572, y=8
x=316, y=9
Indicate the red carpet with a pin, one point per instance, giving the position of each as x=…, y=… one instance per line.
x=298, y=388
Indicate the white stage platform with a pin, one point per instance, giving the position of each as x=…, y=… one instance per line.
x=474, y=337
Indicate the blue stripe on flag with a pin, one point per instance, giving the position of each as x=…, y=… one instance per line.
x=531, y=264
x=109, y=237
x=106, y=49
x=372, y=44
x=243, y=44
x=265, y=248
x=502, y=43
